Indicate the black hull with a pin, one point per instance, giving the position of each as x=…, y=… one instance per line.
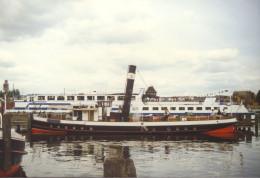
x=17, y=145
x=56, y=127
x=17, y=152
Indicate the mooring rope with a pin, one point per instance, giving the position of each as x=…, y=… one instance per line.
x=142, y=79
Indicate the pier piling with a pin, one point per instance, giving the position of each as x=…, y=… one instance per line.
x=7, y=141
x=118, y=163
x=244, y=122
x=257, y=116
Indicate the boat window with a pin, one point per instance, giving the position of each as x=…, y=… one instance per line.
x=41, y=98
x=199, y=108
x=51, y=97
x=60, y=98
x=80, y=98
x=225, y=108
x=181, y=108
x=190, y=108
x=208, y=108
x=163, y=108
x=100, y=97
x=120, y=97
x=216, y=108
x=145, y=108
x=111, y=98
x=172, y=108
x=133, y=97
x=155, y=108
x=71, y=98
x=89, y=98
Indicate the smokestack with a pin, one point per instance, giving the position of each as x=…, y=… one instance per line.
x=128, y=92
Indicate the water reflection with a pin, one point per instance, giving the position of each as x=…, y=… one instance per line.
x=124, y=155
x=54, y=140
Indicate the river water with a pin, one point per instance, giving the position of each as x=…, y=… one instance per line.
x=228, y=155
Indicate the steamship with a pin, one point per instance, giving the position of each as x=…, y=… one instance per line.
x=104, y=117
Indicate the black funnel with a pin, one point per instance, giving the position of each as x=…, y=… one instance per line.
x=128, y=92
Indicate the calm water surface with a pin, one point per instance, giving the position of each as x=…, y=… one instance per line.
x=144, y=156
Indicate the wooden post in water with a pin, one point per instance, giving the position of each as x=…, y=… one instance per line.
x=114, y=164
x=118, y=163
x=256, y=124
x=128, y=92
x=7, y=141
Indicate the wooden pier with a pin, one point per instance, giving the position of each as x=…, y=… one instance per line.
x=244, y=122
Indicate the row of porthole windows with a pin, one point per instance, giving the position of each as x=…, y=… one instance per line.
x=73, y=127
x=177, y=128
x=142, y=129
x=181, y=108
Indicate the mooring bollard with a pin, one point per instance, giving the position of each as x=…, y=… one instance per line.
x=7, y=141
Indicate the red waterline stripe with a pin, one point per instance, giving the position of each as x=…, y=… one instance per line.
x=10, y=172
x=21, y=139
x=47, y=132
x=229, y=129
x=15, y=138
x=21, y=152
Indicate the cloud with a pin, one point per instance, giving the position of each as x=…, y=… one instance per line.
x=6, y=60
x=25, y=19
x=184, y=47
x=86, y=22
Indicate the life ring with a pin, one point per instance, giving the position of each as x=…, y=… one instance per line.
x=177, y=128
x=58, y=126
x=91, y=128
x=194, y=128
x=185, y=128
x=168, y=129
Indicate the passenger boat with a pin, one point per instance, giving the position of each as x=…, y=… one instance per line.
x=141, y=104
x=100, y=119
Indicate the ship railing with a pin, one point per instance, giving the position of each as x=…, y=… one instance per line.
x=172, y=118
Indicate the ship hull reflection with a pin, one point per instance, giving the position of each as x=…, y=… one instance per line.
x=231, y=137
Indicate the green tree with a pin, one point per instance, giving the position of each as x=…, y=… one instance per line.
x=10, y=93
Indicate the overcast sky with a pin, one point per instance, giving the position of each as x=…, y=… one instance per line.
x=180, y=47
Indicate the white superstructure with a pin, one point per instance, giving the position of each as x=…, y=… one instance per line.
x=139, y=105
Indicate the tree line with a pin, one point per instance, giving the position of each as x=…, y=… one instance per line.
x=10, y=93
